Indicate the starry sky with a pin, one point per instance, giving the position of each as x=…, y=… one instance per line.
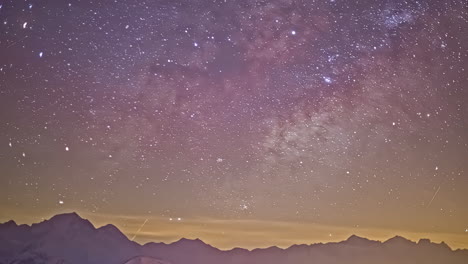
x=244, y=123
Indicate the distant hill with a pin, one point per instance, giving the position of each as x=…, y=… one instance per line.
x=69, y=239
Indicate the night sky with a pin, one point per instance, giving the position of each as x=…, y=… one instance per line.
x=243, y=123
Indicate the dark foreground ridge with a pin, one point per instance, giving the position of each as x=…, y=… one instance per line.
x=67, y=238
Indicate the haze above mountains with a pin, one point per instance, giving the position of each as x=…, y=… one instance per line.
x=67, y=238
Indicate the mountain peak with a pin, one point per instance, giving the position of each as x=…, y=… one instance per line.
x=192, y=243
x=189, y=241
x=428, y=242
x=8, y=224
x=424, y=241
x=112, y=231
x=65, y=221
x=357, y=240
x=398, y=240
x=72, y=216
x=108, y=228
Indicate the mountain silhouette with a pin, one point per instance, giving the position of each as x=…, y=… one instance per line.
x=70, y=239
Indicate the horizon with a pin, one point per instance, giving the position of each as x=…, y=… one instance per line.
x=142, y=241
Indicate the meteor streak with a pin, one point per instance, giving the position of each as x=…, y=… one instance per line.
x=433, y=197
x=139, y=229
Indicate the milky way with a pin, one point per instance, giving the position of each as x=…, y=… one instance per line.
x=347, y=114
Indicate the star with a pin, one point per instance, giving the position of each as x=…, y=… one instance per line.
x=327, y=79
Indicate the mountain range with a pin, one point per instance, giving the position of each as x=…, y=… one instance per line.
x=70, y=239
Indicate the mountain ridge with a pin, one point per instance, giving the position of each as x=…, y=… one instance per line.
x=75, y=217
x=69, y=238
